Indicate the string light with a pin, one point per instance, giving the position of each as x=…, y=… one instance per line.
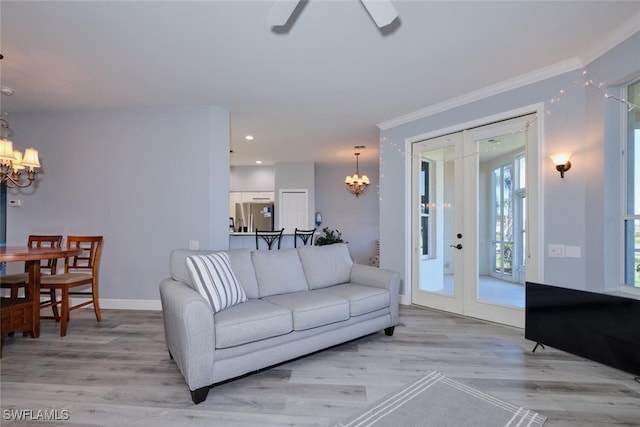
x=589, y=82
x=583, y=82
x=600, y=86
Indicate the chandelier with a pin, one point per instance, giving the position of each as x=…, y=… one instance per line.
x=13, y=163
x=357, y=184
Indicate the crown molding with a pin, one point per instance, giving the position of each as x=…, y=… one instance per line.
x=505, y=86
x=613, y=39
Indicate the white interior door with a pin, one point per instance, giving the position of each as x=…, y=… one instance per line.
x=294, y=211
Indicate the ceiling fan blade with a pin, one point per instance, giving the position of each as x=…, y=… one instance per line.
x=281, y=12
x=382, y=11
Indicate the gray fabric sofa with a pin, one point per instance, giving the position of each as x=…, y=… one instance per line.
x=298, y=301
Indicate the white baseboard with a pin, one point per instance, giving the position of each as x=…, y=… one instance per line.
x=124, y=304
x=405, y=300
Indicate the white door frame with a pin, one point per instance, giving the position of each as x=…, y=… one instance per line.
x=535, y=233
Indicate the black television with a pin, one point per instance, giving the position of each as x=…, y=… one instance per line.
x=600, y=327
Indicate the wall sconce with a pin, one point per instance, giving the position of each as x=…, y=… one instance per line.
x=561, y=161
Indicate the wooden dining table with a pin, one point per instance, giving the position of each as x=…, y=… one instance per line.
x=23, y=313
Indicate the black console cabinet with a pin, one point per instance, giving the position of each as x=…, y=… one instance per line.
x=603, y=328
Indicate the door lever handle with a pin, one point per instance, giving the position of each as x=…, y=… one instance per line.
x=458, y=246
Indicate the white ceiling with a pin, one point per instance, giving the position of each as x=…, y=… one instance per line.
x=309, y=92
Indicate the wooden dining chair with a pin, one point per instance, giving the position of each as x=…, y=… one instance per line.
x=49, y=266
x=305, y=235
x=269, y=236
x=79, y=271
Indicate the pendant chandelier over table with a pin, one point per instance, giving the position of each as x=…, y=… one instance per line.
x=13, y=163
x=357, y=184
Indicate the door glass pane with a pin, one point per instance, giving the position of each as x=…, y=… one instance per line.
x=437, y=214
x=522, y=170
x=632, y=218
x=502, y=209
x=522, y=246
x=425, y=203
x=632, y=249
x=497, y=200
x=633, y=153
x=504, y=219
x=507, y=217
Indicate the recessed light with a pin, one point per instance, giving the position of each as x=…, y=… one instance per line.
x=249, y=137
x=258, y=162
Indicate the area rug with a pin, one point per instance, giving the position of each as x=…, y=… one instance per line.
x=435, y=400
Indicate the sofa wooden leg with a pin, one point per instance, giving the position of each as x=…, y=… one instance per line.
x=389, y=331
x=199, y=395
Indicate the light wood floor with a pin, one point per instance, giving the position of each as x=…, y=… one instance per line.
x=118, y=372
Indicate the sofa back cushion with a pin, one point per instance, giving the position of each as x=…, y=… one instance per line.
x=178, y=264
x=240, y=260
x=326, y=265
x=278, y=272
x=243, y=268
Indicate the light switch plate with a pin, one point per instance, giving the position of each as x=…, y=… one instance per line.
x=573, y=251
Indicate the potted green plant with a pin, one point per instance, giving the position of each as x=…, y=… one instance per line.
x=329, y=237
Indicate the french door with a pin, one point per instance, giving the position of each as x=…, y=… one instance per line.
x=472, y=231
x=437, y=221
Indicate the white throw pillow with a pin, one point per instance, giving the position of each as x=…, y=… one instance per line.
x=214, y=279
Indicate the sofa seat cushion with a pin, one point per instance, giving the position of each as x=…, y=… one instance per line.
x=278, y=272
x=311, y=309
x=362, y=299
x=251, y=321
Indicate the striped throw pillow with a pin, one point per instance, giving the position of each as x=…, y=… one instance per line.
x=214, y=279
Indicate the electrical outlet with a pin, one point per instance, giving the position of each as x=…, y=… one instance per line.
x=194, y=244
x=556, y=251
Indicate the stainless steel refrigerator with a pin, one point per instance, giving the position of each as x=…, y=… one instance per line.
x=251, y=216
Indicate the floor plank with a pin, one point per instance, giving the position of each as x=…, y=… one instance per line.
x=117, y=372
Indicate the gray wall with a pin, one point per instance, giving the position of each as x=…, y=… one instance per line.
x=149, y=180
x=357, y=219
x=252, y=178
x=578, y=209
